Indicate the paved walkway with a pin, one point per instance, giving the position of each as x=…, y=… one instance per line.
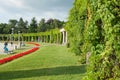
x=9, y=46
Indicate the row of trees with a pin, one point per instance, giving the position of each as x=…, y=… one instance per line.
x=32, y=27
x=94, y=27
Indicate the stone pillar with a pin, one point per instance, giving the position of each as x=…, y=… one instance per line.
x=63, y=37
x=66, y=37
x=38, y=39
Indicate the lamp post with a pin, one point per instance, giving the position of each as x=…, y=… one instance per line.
x=12, y=34
x=12, y=38
x=19, y=38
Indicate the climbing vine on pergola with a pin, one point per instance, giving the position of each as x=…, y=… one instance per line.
x=94, y=27
x=52, y=36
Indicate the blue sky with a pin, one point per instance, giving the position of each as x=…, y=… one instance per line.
x=27, y=9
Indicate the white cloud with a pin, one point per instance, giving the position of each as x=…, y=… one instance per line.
x=14, y=9
x=11, y=3
x=2, y=10
x=16, y=3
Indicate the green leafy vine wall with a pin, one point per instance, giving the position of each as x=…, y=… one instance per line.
x=75, y=25
x=94, y=26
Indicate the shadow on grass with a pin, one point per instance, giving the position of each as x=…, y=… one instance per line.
x=43, y=72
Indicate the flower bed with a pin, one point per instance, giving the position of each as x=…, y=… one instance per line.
x=12, y=57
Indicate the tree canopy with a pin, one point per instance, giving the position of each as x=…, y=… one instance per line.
x=33, y=27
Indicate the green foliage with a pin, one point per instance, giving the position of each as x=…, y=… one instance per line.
x=41, y=26
x=95, y=27
x=2, y=26
x=21, y=26
x=48, y=30
x=75, y=25
x=53, y=24
x=6, y=28
x=12, y=24
x=104, y=62
x=33, y=26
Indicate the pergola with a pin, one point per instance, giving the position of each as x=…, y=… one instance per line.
x=64, y=36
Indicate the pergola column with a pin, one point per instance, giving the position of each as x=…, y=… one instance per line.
x=63, y=37
x=66, y=38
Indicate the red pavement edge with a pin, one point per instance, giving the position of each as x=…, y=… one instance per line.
x=18, y=55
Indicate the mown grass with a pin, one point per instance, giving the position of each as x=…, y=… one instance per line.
x=52, y=62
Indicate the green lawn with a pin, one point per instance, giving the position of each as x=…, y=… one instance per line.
x=52, y=62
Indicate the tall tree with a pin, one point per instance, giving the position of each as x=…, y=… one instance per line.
x=8, y=27
x=22, y=26
x=54, y=23
x=49, y=24
x=4, y=29
x=26, y=27
x=41, y=26
x=57, y=23
x=33, y=26
x=13, y=24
